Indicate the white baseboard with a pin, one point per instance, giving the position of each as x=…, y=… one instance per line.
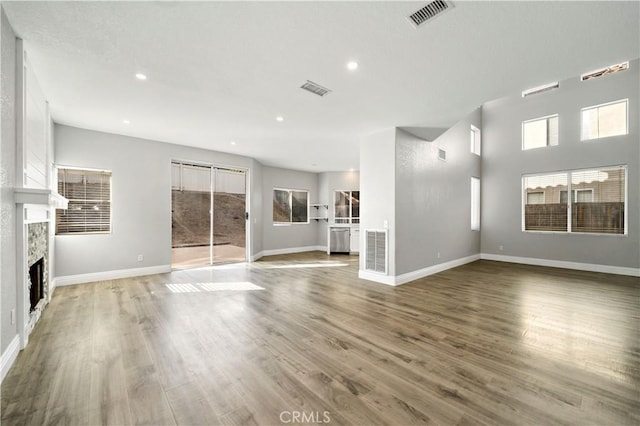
x=9, y=356
x=289, y=250
x=110, y=275
x=379, y=278
x=591, y=267
x=415, y=275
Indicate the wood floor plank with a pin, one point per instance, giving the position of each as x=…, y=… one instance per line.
x=487, y=343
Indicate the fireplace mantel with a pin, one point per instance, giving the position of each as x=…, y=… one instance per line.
x=40, y=197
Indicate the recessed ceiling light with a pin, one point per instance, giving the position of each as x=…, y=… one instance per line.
x=279, y=118
x=141, y=76
x=352, y=65
x=126, y=121
x=351, y=169
x=233, y=142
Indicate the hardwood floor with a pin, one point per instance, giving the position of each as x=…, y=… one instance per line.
x=300, y=338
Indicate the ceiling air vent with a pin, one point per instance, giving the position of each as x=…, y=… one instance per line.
x=540, y=89
x=315, y=88
x=442, y=154
x=429, y=12
x=604, y=71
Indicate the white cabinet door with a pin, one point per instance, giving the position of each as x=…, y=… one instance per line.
x=355, y=240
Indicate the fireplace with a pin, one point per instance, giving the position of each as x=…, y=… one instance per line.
x=36, y=279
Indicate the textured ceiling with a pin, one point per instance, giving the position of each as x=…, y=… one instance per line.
x=222, y=72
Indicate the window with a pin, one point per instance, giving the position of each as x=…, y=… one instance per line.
x=89, y=195
x=475, y=140
x=346, y=206
x=290, y=206
x=579, y=195
x=605, y=120
x=475, y=204
x=597, y=204
x=540, y=132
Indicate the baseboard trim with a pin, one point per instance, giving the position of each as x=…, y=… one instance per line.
x=290, y=250
x=590, y=267
x=9, y=357
x=416, y=275
x=430, y=270
x=110, y=275
x=379, y=278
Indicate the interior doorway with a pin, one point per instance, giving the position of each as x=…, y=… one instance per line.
x=208, y=219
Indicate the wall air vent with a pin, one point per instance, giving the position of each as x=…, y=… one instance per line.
x=442, y=154
x=315, y=88
x=429, y=12
x=604, y=71
x=540, y=89
x=376, y=251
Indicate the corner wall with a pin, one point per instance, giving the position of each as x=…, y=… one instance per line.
x=7, y=183
x=292, y=238
x=504, y=163
x=141, y=203
x=433, y=198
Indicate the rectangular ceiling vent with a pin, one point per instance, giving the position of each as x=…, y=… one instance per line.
x=605, y=71
x=429, y=12
x=540, y=89
x=315, y=88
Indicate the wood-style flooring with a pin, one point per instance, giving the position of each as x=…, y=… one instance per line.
x=300, y=338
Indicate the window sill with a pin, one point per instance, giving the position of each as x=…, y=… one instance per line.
x=626, y=234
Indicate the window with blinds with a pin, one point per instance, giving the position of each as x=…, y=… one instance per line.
x=597, y=203
x=89, y=195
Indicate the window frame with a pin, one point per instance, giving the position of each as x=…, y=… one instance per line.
x=533, y=120
x=350, y=219
x=57, y=169
x=626, y=120
x=570, y=189
x=476, y=140
x=290, y=191
x=476, y=200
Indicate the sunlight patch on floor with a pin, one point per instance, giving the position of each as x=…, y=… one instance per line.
x=308, y=265
x=202, y=287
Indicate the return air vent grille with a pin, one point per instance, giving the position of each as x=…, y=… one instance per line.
x=429, y=12
x=540, y=89
x=376, y=253
x=605, y=71
x=315, y=88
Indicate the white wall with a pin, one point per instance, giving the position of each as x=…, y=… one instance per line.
x=504, y=163
x=377, y=188
x=7, y=182
x=433, y=213
x=141, y=200
x=300, y=236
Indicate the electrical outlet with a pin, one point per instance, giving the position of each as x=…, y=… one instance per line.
x=501, y=248
x=140, y=258
x=386, y=224
x=13, y=316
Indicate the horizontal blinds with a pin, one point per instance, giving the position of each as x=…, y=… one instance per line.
x=89, y=195
x=598, y=201
x=545, y=209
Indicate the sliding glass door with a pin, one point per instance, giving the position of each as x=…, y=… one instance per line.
x=208, y=207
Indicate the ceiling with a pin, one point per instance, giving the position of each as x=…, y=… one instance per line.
x=220, y=72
